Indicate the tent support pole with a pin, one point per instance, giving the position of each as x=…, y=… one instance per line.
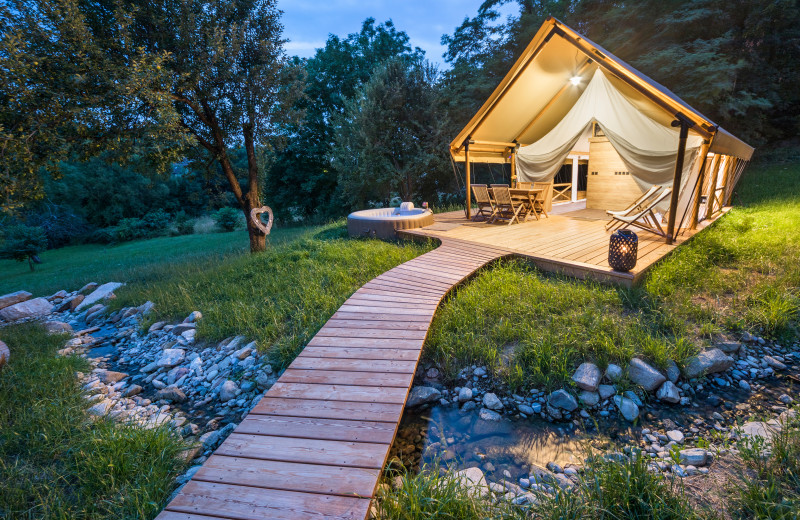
x=513, y=167
x=685, y=125
x=467, y=178
x=574, y=189
x=700, y=181
x=711, y=199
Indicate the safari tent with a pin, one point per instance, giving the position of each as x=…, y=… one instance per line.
x=567, y=103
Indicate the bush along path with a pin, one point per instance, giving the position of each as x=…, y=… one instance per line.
x=160, y=377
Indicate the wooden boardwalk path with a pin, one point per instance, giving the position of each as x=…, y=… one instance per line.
x=315, y=445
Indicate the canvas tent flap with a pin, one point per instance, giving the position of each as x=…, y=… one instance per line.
x=725, y=143
x=647, y=147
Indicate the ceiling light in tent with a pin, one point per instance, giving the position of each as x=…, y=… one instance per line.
x=575, y=80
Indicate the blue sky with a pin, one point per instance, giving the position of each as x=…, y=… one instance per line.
x=308, y=22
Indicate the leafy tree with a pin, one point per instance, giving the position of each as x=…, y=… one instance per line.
x=22, y=243
x=302, y=180
x=175, y=74
x=391, y=137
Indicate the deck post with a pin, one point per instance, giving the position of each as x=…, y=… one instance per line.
x=685, y=125
x=513, y=167
x=467, y=175
x=700, y=181
x=574, y=188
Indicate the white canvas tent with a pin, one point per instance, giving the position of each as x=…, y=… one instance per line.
x=561, y=85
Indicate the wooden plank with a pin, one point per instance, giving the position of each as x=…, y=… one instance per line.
x=361, y=353
x=380, y=316
x=362, y=394
x=391, y=296
x=380, y=304
x=396, y=310
x=329, y=409
x=340, y=377
x=338, y=341
x=289, y=476
x=247, y=503
x=356, y=430
x=352, y=332
x=355, y=365
x=174, y=515
x=306, y=451
x=375, y=325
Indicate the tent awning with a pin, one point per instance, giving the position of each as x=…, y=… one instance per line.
x=537, y=94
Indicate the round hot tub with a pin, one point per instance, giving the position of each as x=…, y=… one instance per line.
x=384, y=222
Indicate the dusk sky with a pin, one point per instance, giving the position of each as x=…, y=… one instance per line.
x=308, y=22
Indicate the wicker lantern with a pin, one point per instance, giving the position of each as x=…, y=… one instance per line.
x=622, y=250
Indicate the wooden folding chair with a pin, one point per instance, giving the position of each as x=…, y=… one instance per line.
x=486, y=207
x=544, y=199
x=635, y=207
x=646, y=219
x=506, y=207
x=524, y=185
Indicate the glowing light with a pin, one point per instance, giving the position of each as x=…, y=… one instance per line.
x=575, y=80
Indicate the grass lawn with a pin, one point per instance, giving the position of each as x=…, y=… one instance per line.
x=55, y=462
x=532, y=329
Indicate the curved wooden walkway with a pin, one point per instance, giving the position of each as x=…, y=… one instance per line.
x=315, y=445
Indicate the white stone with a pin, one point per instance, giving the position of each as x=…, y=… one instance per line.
x=171, y=357
x=98, y=294
x=422, y=395
x=26, y=309
x=707, y=362
x=15, y=297
x=464, y=395
x=606, y=391
x=669, y=393
x=492, y=402
x=675, y=436
x=587, y=377
x=489, y=415
x=645, y=375
x=613, y=372
x=693, y=456
x=473, y=480
x=563, y=400
x=627, y=408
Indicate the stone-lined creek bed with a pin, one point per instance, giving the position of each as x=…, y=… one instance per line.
x=509, y=444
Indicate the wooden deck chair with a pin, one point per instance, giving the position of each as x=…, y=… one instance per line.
x=506, y=207
x=524, y=185
x=486, y=207
x=646, y=219
x=634, y=207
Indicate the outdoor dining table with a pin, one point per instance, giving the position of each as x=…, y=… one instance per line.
x=527, y=196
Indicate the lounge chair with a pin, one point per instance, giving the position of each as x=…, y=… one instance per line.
x=486, y=207
x=646, y=218
x=507, y=209
x=635, y=207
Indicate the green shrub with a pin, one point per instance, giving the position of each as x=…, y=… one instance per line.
x=22, y=243
x=184, y=224
x=227, y=219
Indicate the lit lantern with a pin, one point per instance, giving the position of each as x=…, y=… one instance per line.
x=622, y=250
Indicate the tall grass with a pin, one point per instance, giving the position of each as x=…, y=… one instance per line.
x=57, y=463
x=532, y=329
x=280, y=297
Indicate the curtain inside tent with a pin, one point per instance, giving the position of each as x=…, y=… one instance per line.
x=646, y=147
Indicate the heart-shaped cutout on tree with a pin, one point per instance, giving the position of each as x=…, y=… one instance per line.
x=255, y=217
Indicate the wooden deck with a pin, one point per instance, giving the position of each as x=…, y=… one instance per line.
x=315, y=445
x=573, y=245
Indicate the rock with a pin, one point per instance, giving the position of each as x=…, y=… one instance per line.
x=26, y=309
x=785, y=399
x=228, y=391
x=91, y=286
x=171, y=393
x=675, y=436
x=110, y=377
x=774, y=363
x=102, y=292
x=57, y=327
x=563, y=400
x=432, y=373
x=132, y=390
x=100, y=409
x=182, y=327
x=707, y=362
x=193, y=317
x=492, y=402
x=423, y=395
x=473, y=480
x=70, y=303
x=673, y=372
x=587, y=377
x=171, y=357
x=464, y=395
x=669, y=393
x=527, y=410
x=489, y=415
x=60, y=295
x=189, y=334
x=468, y=406
x=12, y=298
x=263, y=381
x=759, y=429
x=480, y=372
x=606, y=391
x=613, y=373
x=627, y=408
x=645, y=375
x=589, y=398
x=5, y=354
x=744, y=385
x=210, y=439
x=693, y=456
x=729, y=347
